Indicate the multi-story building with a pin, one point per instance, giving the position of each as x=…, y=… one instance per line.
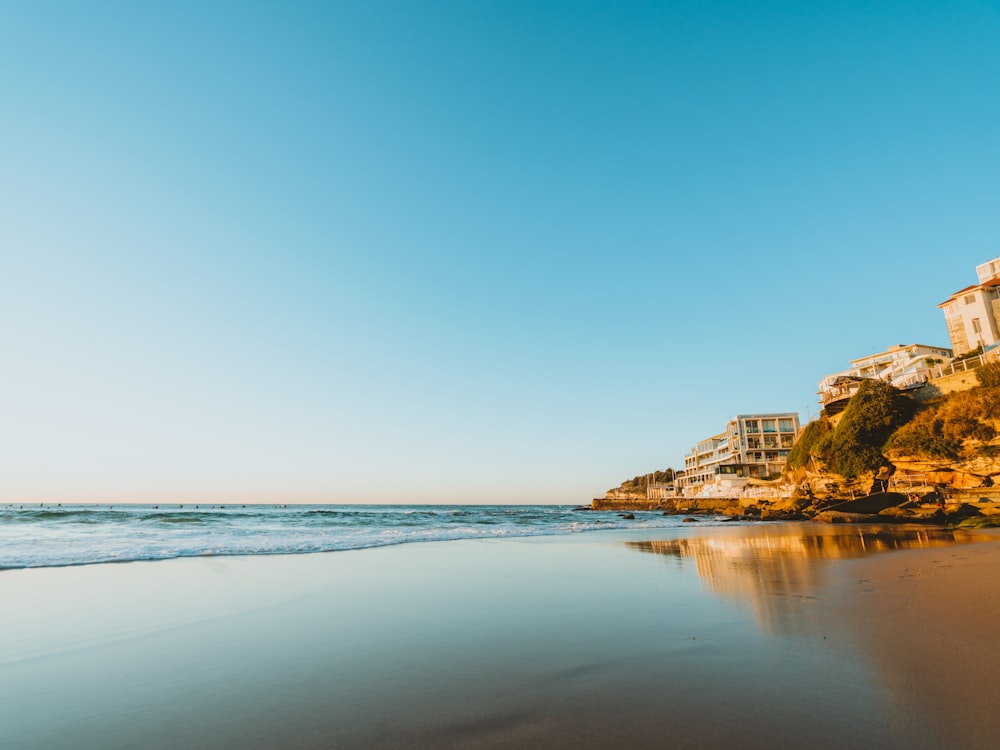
x=753, y=445
x=902, y=365
x=972, y=314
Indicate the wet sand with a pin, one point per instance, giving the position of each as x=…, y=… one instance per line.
x=927, y=621
x=756, y=636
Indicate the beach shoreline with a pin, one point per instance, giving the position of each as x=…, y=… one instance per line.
x=691, y=637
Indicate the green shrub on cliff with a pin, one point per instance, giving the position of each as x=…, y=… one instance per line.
x=924, y=436
x=872, y=415
x=810, y=443
x=989, y=375
x=966, y=413
x=641, y=482
x=942, y=428
x=971, y=354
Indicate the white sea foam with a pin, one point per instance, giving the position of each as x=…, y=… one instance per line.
x=50, y=535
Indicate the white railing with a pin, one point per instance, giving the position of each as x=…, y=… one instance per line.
x=904, y=481
x=915, y=379
x=714, y=491
x=838, y=392
x=783, y=490
x=965, y=365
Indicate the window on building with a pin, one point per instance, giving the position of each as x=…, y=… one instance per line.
x=767, y=425
x=753, y=425
x=976, y=327
x=786, y=425
x=969, y=298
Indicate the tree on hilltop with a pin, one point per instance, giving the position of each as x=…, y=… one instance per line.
x=872, y=415
x=857, y=443
x=643, y=481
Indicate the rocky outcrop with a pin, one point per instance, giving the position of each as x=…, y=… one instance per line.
x=909, y=475
x=959, y=508
x=965, y=473
x=870, y=504
x=910, y=489
x=626, y=503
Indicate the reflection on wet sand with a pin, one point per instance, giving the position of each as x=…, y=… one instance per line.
x=774, y=568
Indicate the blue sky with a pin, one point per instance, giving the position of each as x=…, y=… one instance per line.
x=458, y=251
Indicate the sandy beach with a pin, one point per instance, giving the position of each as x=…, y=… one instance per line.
x=926, y=622
x=771, y=635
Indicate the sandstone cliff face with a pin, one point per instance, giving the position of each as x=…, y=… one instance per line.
x=907, y=474
x=823, y=485
x=918, y=464
x=962, y=473
x=955, y=438
x=626, y=502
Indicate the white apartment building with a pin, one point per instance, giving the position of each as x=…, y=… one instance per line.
x=898, y=362
x=753, y=445
x=901, y=365
x=972, y=314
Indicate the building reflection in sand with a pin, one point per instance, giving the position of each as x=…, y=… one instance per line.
x=778, y=569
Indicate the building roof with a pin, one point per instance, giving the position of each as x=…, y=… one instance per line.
x=766, y=415
x=899, y=348
x=986, y=284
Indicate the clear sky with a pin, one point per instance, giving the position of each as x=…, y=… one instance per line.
x=464, y=251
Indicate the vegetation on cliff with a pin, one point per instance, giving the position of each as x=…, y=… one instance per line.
x=989, y=375
x=811, y=437
x=639, y=484
x=956, y=426
x=873, y=414
x=854, y=446
x=924, y=436
x=882, y=425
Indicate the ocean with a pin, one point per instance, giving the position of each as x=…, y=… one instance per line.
x=33, y=536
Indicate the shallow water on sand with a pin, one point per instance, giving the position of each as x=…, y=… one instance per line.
x=707, y=637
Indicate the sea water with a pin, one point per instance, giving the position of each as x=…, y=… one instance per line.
x=55, y=535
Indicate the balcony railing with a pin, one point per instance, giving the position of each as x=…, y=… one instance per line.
x=839, y=392
x=964, y=365
x=913, y=380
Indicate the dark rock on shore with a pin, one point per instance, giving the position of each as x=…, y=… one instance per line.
x=875, y=503
x=964, y=511
x=880, y=507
